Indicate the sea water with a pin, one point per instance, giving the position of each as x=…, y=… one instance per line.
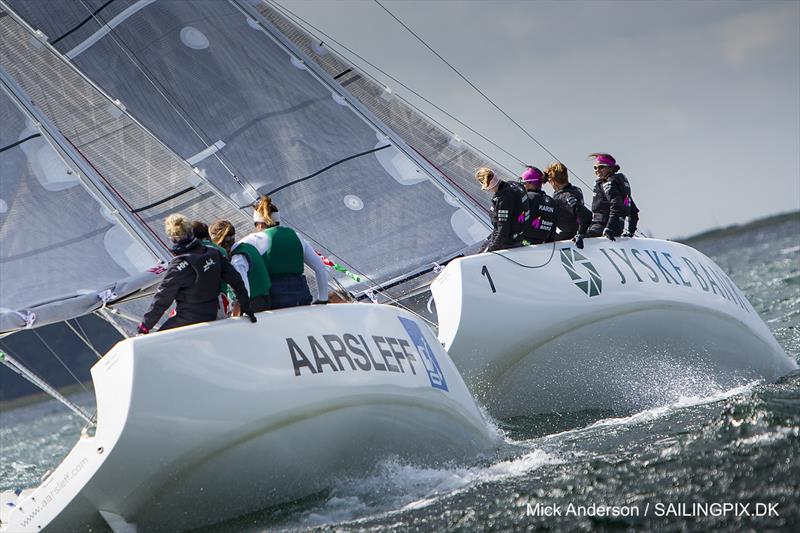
x=706, y=459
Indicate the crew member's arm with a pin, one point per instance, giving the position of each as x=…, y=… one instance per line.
x=179, y=274
x=617, y=210
x=500, y=238
x=633, y=218
x=240, y=263
x=231, y=276
x=311, y=259
x=584, y=217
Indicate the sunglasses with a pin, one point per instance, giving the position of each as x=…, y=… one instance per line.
x=598, y=167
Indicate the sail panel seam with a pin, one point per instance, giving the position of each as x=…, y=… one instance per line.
x=12, y=145
x=163, y=200
x=317, y=173
x=87, y=19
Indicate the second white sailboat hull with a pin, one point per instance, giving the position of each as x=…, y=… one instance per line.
x=616, y=326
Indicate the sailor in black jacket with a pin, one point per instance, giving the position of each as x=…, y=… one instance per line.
x=539, y=223
x=574, y=218
x=506, y=207
x=612, y=202
x=193, y=281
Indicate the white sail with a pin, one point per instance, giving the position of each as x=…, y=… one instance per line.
x=229, y=92
x=64, y=253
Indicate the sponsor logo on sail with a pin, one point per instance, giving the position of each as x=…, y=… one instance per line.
x=589, y=280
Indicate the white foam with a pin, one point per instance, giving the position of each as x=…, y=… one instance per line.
x=767, y=438
x=681, y=403
x=402, y=487
x=648, y=415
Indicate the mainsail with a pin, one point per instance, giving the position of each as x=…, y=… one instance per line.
x=226, y=91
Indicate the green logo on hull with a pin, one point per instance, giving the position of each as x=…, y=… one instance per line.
x=591, y=284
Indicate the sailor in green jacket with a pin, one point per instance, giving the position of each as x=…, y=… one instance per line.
x=271, y=260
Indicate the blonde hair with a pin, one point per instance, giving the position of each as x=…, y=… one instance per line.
x=557, y=173
x=265, y=208
x=222, y=232
x=178, y=227
x=484, y=175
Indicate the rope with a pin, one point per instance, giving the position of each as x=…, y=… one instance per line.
x=105, y=314
x=489, y=100
x=83, y=338
x=552, y=253
x=71, y=373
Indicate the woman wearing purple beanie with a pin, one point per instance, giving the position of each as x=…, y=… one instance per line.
x=612, y=202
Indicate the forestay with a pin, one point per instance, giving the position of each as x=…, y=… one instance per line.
x=225, y=92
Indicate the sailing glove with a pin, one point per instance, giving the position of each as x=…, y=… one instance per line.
x=608, y=234
x=578, y=239
x=141, y=330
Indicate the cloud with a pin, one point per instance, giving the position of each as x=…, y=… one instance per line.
x=747, y=34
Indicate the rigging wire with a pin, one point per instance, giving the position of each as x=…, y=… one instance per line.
x=83, y=337
x=480, y=92
x=71, y=373
x=105, y=314
x=10, y=361
x=301, y=22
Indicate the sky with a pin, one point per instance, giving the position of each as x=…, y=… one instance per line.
x=698, y=101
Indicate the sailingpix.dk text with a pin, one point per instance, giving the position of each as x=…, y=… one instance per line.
x=656, y=509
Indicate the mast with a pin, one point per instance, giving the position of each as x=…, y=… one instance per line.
x=86, y=173
x=367, y=115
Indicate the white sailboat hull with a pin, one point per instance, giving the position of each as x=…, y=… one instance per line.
x=208, y=422
x=622, y=325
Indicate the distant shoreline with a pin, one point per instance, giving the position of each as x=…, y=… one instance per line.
x=737, y=228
